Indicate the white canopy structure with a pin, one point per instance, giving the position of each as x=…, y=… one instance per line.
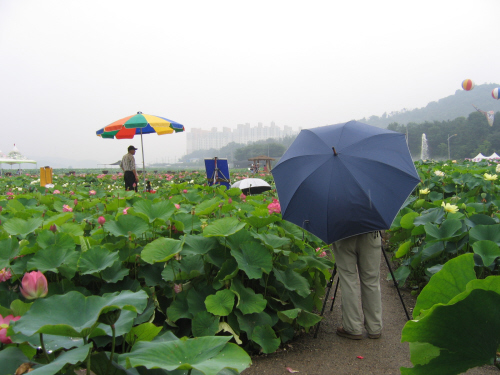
x=481, y=157
x=15, y=157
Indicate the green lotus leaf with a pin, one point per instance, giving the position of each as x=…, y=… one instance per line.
x=79, y=314
x=487, y=250
x=191, y=267
x=161, y=250
x=191, y=222
x=288, y=316
x=115, y=273
x=62, y=240
x=9, y=248
x=485, y=232
x=266, y=338
x=205, y=324
x=15, y=206
x=126, y=225
x=73, y=229
x=228, y=271
x=271, y=240
x=254, y=259
x=50, y=259
x=196, y=298
x=208, y=354
x=401, y=274
x=403, y=249
x=307, y=319
x=51, y=342
x=450, y=228
x=259, y=222
x=220, y=303
x=291, y=230
x=22, y=227
x=293, y=281
x=407, y=220
x=142, y=332
x=207, y=206
x=433, y=215
x=58, y=219
x=179, y=308
x=248, y=301
x=431, y=251
x=248, y=322
x=223, y=227
x=466, y=332
x=197, y=244
x=12, y=357
x=479, y=219
x=447, y=283
x=96, y=259
x=161, y=210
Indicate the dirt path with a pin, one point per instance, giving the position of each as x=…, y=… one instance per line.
x=332, y=354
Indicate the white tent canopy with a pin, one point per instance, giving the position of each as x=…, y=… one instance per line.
x=480, y=157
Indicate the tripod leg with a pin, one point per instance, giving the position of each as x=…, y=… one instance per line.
x=329, y=285
x=395, y=282
x=335, y=294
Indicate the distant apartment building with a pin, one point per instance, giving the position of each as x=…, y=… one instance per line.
x=199, y=139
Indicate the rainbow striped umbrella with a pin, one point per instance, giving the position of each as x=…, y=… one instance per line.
x=128, y=127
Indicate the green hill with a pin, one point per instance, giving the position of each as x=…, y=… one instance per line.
x=449, y=108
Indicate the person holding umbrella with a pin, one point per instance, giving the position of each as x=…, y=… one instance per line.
x=358, y=257
x=128, y=166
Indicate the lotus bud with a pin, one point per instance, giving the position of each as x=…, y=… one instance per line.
x=101, y=220
x=483, y=195
x=75, y=202
x=53, y=228
x=34, y=285
x=1, y=208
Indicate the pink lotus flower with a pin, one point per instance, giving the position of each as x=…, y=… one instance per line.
x=56, y=192
x=101, y=220
x=323, y=254
x=9, y=193
x=177, y=288
x=125, y=210
x=185, y=191
x=71, y=192
x=229, y=201
x=92, y=192
x=34, y=285
x=5, y=274
x=177, y=206
x=75, y=202
x=274, y=207
x=67, y=208
x=4, y=324
x=243, y=197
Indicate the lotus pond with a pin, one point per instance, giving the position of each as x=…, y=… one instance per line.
x=189, y=279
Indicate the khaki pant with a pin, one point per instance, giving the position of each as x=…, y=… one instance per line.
x=360, y=255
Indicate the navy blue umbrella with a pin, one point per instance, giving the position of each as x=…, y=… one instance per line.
x=340, y=180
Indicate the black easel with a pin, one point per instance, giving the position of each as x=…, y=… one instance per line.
x=330, y=284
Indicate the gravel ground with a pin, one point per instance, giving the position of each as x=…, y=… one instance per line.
x=332, y=354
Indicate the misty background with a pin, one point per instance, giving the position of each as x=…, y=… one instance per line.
x=69, y=68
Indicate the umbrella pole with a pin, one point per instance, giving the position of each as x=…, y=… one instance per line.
x=143, y=165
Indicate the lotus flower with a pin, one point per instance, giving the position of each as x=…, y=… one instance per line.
x=101, y=220
x=125, y=210
x=67, y=208
x=177, y=288
x=56, y=192
x=274, y=207
x=185, y=191
x=92, y=192
x=451, y=208
x=5, y=275
x=439, y=173
x=34, y=285
x=424, y=191
x=490, y=177
x=177, y=206
x=53, y=228
x=4, y=324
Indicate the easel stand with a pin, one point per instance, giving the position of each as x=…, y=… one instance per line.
x=330, y=284
x=217, y=176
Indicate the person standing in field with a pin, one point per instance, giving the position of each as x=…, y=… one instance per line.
x=128, y=166
x=358, y=260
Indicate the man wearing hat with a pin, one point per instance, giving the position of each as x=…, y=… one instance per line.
x=128, y=167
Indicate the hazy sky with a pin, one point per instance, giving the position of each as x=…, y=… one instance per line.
x=68, y=68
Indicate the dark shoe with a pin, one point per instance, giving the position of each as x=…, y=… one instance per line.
x=344, y=333
x=374, y=335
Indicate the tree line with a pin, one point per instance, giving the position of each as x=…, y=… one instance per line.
x=473, y=135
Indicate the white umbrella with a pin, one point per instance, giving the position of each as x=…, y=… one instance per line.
x=252, y=185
